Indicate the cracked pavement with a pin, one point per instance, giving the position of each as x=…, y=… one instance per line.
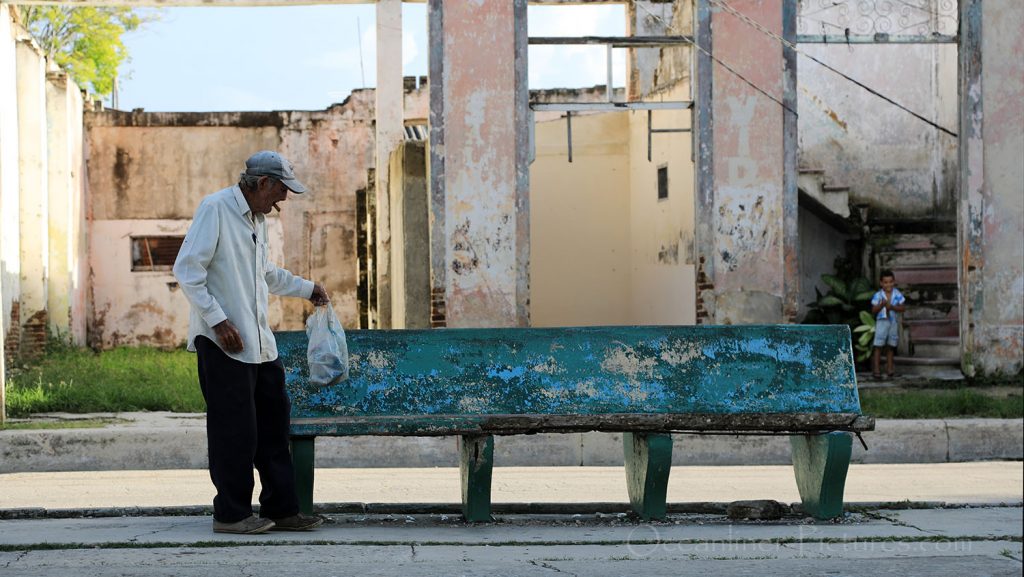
x=936, y=541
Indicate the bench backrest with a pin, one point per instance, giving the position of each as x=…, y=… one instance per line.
x=428, y=382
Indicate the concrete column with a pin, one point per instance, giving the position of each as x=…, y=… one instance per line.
x=991, y=218
x=410, y=251
x=78, y=230
x=31, y=71
x=746, y=197
x=479, y=131
x=60, y=198
x=10, y=210
x=390, y=133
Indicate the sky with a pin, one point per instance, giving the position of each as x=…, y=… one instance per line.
x=308, y=57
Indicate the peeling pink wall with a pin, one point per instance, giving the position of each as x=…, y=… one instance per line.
x=480, y=163
x=747, y=230
x=992, y=181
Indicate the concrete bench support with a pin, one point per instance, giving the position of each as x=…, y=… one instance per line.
x=820, y=463
x=476, y=462
x=648, y=458
x=303, y=455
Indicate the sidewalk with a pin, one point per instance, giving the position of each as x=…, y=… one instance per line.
x=148, y=441
x=933, y=542
x=957, y=483
x=386, y=522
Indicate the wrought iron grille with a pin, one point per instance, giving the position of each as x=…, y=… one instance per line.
x=877, y=18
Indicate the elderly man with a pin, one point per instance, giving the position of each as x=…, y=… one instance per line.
x=224, y=271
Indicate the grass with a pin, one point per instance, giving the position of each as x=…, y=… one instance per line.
x=123, y=379
x=940, y=403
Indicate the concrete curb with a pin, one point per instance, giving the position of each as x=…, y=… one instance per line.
x=152, y=441
x=598, y=509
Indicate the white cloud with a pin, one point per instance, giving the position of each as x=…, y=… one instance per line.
x=568, y=66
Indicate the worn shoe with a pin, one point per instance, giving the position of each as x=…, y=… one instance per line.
x=248, y=526
x=297, y=522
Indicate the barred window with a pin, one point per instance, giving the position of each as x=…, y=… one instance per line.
x=152, y=253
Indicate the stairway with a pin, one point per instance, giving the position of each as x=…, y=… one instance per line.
x=923, y=256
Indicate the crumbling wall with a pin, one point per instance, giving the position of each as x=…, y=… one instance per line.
x=892, y=161
x=992, y=183
x=148, y=172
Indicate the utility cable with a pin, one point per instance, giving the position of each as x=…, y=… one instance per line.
x=693, y=42
x=759, y=27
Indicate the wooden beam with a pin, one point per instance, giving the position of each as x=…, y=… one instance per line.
x=614, y=41
x=609, y=106
x=439, y=425
x=262, y=3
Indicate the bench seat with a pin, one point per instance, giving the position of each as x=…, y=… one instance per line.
x=645, y=382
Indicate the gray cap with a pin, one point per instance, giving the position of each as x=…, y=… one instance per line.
x=270, y=163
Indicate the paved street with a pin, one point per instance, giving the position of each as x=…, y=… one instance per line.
x=984, y=539
x=962, y=541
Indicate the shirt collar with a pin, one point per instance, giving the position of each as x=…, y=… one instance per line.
x=243, y=205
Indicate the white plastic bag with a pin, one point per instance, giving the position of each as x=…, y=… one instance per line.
x=328, y=352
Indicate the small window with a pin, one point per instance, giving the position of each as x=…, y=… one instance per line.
x=662, y=182
x=155, y=252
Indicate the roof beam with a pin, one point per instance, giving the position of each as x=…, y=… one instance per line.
x=260, y=3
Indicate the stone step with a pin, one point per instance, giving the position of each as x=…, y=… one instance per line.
x=931, y=312
x=899, y=226
x=922, y=329
x=925, y=275
x=925, y=257
x=936, y=347
x=926, y=366
x=915, y=241
x=935, y=295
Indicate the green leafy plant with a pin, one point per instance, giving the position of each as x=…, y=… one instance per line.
x=867, y=336
x=843, y=302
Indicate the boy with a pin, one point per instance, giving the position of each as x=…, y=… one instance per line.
x=886, y=305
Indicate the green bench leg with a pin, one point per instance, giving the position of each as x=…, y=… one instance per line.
x=476, y=460
x=820, y=463
x=302, y=462
x=648, y=462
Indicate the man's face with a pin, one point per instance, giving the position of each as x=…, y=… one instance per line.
x=887, y=283
x=269, y=192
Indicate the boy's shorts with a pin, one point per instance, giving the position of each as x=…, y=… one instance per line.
x=887, y=333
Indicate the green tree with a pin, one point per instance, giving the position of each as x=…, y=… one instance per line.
x=85, y=41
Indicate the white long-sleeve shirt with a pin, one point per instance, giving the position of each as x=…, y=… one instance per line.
x=224, y=272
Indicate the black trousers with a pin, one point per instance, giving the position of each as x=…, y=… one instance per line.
x=247, y=416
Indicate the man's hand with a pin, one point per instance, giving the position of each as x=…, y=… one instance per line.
x=319, y=296
x=229, y=337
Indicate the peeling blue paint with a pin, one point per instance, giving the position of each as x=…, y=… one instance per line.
x=463, y=373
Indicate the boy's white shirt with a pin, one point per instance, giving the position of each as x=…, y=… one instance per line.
x=896, y=300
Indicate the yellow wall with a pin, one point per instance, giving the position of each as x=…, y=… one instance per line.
x=604, y=249
x=661, y=231
x=579, y=223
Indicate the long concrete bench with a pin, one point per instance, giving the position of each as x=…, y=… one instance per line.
x=645, y=382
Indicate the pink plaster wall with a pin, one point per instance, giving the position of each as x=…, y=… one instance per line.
x=748, y=154
x=480, y=163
